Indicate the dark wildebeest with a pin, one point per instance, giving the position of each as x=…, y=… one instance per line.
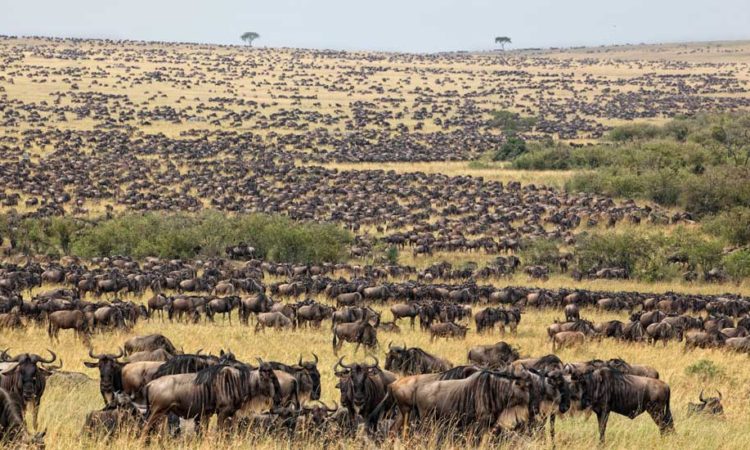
x=447, y=330
x=413, y=361
x=13, y=430
x=497, y=355
x=660, y=331
x=348, y=299
x=409, y=310
x=704, y=339
x=67, y=320
x=314, y=314
x=608, y=390
x=27, y=380
x=220, y=389
x=223, y=305
x=158, y=303
x=307, y=375
x=110, y=373
x=255, y=304
x=710, y=405
x=120, y=415
x=148, y=343
x=610, y=329
x=361, y=332
x=362, y=387
x=475, y=404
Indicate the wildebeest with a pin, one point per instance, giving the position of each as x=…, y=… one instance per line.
x=218, y=389
x=307, y=375
x=67, y=320
x=447, y=330
x=710, y=405
x=275, y=320
x=12, y=427
x=413, y=361
x=159, y=354
x=572, y=313
x=494, y=356
x=660, y=331
x=608, y=390
x=223, y=305
x=110, y=373
x=361, y=332
x=148, y=343
x=255, y=304
x=565, y=339
x=475, y=404
x=362, y=387
x=27, y=379
x=121, y=414
x=409, y=310
x=136, y=375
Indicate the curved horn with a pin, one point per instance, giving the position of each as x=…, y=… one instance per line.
x=700, y=397
x=299, y=362
x=92, y=355
x=719, y=392
x=4, y=355
x=260, y=360
x=372, y=366
x=390, y=344
x=119, y=355
x=316, y=358
x=340, y=363
x=334, y=409
x=50, y=361
x=198, y=352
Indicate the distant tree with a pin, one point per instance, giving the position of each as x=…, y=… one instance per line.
x=502, y=40
x=249, y=37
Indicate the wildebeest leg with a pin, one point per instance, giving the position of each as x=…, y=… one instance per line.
x=154, y=419
x=357, y=347
x=662, y=417
x=552, y=429
x=602, y=418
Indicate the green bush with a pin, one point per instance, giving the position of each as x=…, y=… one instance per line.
x=513, y=147
x=705, y=369
x=635, y=131
x=275, y=238
x=624, y=250
x=732, y=225
x=541, y=252
x=737, y=264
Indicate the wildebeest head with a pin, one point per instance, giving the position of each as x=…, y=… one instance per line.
x=707, y=405
x=560, y=387
x=28, y=374
x=320, y=413
x=396, y=357
x=110, y=372
x=307, y=372
x=358, y=380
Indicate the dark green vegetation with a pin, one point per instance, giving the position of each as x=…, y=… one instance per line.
x=700, y=164
x=181, y=235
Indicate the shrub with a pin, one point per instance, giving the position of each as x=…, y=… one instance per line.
x=705, y=368
x=612, y=249
x=732, y=225
x=635, y=131
x=737, y=264
x=513, y=147
x=541, y=252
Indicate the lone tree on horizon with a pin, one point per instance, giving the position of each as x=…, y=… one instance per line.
x=502, y=40
x=249, y=37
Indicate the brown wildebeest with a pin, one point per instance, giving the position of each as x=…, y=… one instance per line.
x=572, y=313
x=276, y=320
x=413, y=361
x=153, y=355
x=409, y=310
x=361, y=332
x=136, y=375
x=497, y=355
x=68, y=320
x=447, y=330
x=120, y=415
x=158, y=303
x=661, y=331
x=607, y=390
x=149, y=342
x=565, y=339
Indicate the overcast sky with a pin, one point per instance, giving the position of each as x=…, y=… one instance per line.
x=401, y=25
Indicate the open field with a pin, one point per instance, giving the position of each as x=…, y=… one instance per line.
x=181, y=158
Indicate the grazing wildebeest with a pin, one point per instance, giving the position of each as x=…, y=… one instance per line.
x=67, y=320
x=13, y=430
x=497, y=355
x=447, y=330
x=609, y=390
x=413, y=361
x=704, y=339
x=361, y=332
x=307, y=375
x=565, y=339
x=710, y=405
x=219, y=389
x=120, y=415
x=27, y=380
x=148, y=343
x=409, y=310
x=110, y=373
x=276, y=320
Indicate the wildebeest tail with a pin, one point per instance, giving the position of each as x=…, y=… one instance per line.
x=667, y=419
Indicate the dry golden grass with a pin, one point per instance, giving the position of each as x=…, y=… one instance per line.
x=64, y=407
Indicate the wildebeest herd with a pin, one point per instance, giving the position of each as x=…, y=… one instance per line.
x=500, y=394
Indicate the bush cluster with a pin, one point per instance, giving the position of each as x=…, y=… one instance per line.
x=181, y=235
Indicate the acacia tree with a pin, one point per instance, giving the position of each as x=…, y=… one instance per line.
x=502, y=40
x=249, y=37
